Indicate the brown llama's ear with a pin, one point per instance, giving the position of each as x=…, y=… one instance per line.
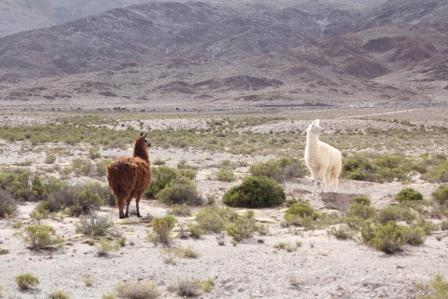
x=141, y=134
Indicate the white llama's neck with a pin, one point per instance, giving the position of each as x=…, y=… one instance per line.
x=312, y=141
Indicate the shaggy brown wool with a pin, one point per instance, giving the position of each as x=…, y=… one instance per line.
x=129, y=176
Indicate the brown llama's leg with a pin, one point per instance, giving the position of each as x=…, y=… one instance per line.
x=137, y=201
x=120, y=209
x=128, y=202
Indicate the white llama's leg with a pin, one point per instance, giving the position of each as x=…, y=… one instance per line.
x=335, y=183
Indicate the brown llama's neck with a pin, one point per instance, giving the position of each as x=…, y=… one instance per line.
x=140, y=150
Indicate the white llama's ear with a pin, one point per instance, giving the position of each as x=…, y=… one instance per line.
x=317, y=122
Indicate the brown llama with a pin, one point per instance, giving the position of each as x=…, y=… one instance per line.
x=129, y=176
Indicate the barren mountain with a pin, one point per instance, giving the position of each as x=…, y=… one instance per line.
x=172, y=53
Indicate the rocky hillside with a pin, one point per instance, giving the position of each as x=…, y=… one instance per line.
x=310, y=53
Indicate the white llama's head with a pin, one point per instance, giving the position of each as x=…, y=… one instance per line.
x=315, y=127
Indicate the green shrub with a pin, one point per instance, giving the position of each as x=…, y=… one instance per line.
x=94, y=153
x=82, y=167
x=389, y=237
x=341, y=232
x=162, y=227
x=301, y=214
x=395, y=213
x=79, y=199
x=441, y=195
x=26, y=281
x=94, y=225
x=408, y=195
x=59, y=294
x=188, y=173
x=444, y=225
x=242, y=227
x=101, y=167
x=361, y=208
x=43, y=188
x=437, y=173
x=108, y=296
x=362, y=199
x=255, y=192
x=180, y=210
x=138, y=290
x=414, y=235
x=158, y=162
x=41, y=236
x=50, y=158
x=279, y=170
x=214, y=219
x=17, y=183
x=180, y=191
x=359, y=167
x=8, y=206
x=162, y=176
x=186, y=170
x=186, y=288
x=225, y=174
x=377, y=168
x=436, y=289
x=105, y=246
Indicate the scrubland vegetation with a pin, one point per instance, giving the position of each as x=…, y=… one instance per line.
x=254, y=196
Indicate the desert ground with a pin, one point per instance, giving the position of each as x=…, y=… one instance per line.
x=325, y=256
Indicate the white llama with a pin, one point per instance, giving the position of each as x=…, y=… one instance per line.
x=323, y=160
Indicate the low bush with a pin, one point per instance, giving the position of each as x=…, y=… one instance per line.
x=389, y=237
x=414, y=235
x=242, y=227
x=59, y=294
x=225, y=174
x=81, y=167
x=50, y=158
x=408, y=195
x=186, y=170
x=341, y=232
x=188, y=173
x=8, y=206
x=27, y=281
x=79, y=199
x=444, y=225
x=436, y=289
x=301, y=214
x=101, y=167
x=395, y=213
x=41, y=236
x=361, y=208
x=437, y=173
x=288, y=246
x=17, y=183
x=162, y=227
x=108, y=296
x=180, y=210
x=94, y=225
x=255, y=192
x=441, y=195
x=279, y=170
x=162, y=176
x=138, y=290
x=378, y=168
x=180, y=191
x=105, y=247
x=186, y=288
x=214, y=219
